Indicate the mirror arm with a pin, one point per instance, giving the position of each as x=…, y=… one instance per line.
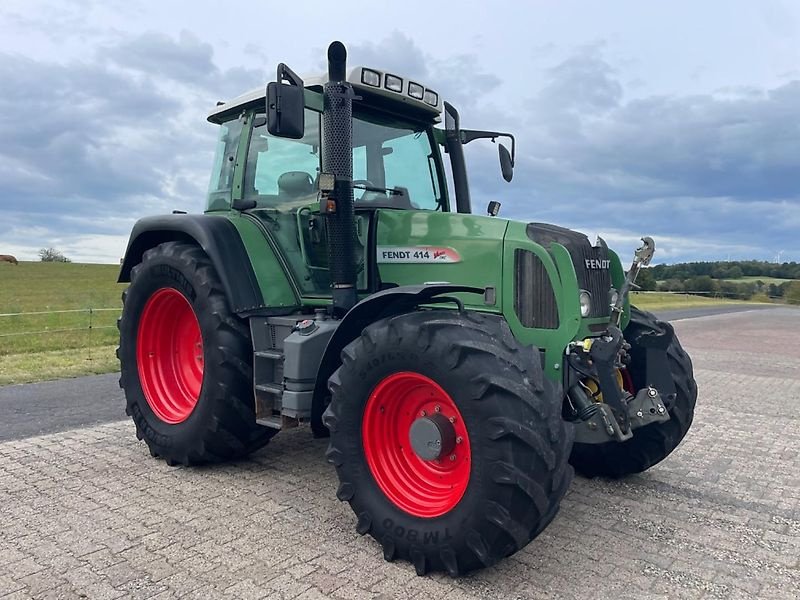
x=286, y=74
x=469, y=135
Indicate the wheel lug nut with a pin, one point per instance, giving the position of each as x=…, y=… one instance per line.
x=423, y=413
x=437, y=408
x=452, y=419
x=459, y=439
x=452, y=457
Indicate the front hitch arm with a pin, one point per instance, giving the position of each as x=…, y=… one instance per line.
x=604, y=353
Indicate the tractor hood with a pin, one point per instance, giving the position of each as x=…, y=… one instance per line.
x=534, y=272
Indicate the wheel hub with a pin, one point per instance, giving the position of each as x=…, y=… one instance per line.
x=432, y=437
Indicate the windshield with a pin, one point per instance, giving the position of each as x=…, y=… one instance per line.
x=397, y=157
x=394, y=166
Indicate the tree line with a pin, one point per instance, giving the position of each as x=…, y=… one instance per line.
x=713, y=278
x=727, y=270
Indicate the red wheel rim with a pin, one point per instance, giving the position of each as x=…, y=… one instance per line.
x=169, y=353
x=423, y=488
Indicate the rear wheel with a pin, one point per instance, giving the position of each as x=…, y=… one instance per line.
x=653, y=443
x=447, y=439
x=186, y=360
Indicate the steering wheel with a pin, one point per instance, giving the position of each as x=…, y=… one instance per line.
x=365, y=196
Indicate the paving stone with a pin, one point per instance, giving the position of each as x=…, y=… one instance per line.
x=89, y=514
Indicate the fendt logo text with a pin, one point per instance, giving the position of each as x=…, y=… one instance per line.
x=597, y=263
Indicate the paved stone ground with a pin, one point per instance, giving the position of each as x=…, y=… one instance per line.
x=88, y=513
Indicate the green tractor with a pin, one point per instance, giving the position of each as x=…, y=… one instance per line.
x=462, y=365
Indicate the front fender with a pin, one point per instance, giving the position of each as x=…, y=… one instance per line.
x=381, y=305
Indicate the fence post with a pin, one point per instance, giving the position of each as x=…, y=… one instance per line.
x=90, y=334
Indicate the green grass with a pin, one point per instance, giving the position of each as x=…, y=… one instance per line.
x=57, y=344
x=664, y=300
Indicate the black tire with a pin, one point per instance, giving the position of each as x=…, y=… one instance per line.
x=653, y=443
x=222, y=424
x=518, y=440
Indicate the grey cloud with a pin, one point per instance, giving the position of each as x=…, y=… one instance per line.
x=187, y=60
x=583, y=82
x=458, y=78
x=64, y=121
x=87, y=144
x=720, y=169
x=397, y=52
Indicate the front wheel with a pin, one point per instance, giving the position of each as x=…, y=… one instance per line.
x=653, y=443
x=186, y=360
x=447, y=439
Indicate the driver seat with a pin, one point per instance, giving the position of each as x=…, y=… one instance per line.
x=295, y=184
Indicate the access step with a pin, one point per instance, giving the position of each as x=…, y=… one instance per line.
x=270, y=388
x=273, y=422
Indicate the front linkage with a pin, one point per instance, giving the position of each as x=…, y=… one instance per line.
x=601, y=396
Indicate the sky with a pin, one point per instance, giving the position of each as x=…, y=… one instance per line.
x=679, y=120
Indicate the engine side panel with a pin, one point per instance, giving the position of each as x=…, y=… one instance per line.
x=415, y=247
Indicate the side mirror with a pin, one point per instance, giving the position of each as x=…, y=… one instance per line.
x=286, y=105
x=506, y=162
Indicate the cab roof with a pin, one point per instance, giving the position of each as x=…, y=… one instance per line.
x=397, y=95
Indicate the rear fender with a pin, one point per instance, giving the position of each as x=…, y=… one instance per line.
x=217, y=236
x=381, y=305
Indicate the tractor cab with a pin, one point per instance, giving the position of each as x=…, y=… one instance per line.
x=397, y=164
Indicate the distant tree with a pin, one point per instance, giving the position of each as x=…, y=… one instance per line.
x=703, y=283
x=671, y=285
x=645, y=280
x=792, y=293
x=735, y=272
x=52, y=255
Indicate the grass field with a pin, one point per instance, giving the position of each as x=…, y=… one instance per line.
x=664, y=300
x=57, y=344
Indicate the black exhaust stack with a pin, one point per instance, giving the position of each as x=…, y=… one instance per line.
x=337, y=160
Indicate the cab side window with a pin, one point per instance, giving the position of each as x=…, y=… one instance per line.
x=281, y=172
x=221, y=184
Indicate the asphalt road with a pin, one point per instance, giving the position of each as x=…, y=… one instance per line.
x=88, y=513
x=708, y=311
x=51, y=406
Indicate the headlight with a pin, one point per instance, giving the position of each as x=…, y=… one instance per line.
x=613, y=296
x=393, y=83
x=415, y=90
x=370, y=77
x=431, y=97
x=586, y=303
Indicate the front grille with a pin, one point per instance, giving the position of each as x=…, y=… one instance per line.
x=534, y=298
x=596, y=281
